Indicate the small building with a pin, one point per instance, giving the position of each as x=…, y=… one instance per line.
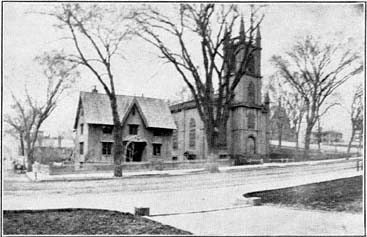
x=327, y=137
x=147, y=128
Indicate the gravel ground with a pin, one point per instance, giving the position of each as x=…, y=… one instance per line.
x=82, y=222
x=337, y=195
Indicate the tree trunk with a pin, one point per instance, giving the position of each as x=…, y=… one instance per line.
x=297, y=140
x=117, y=137
x=351, y=140
x=280, y=134
x=117, y=150
x=212, y=157
x=307, y=141
x=30, y=158
x=21, y=140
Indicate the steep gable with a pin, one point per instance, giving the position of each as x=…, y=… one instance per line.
x=97, y=109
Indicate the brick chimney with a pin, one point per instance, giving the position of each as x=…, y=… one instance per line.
x=94, y=90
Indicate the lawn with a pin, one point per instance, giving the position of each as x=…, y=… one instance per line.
x=82, y=222
x=342, y=195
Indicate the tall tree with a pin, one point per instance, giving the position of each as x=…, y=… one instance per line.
x=316, y=70
x=356, y=115
x=30, y=113
x=293, y=105
x=16, y=129
x=197, y=42
x=97, y=33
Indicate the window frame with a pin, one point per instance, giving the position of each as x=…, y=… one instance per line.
x=192, y=133
x=107, y=129
x=81, y=148
x=132, y=127
x=155, y=146
x=107, y=148
x=251, y=93
x=251, y=120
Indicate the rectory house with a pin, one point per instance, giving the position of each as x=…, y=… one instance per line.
x=154, y=131
x=147, y=128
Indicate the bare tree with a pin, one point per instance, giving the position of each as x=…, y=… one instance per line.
x=279, y=121
x=356, y=115
x=197, y=42
x=316, y=70
x=97, y=33
x=16, y=129
x=293, y=106
x=29, y=114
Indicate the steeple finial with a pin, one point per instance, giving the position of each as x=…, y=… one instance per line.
x=242, y=29
x=258, y=37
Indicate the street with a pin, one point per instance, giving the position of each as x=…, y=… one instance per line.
x=172, y=198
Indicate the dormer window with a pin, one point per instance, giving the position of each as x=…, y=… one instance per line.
x=107, y=129
x=133, y=129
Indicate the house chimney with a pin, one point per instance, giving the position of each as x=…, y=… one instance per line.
x=59, y=140
x=94, y=90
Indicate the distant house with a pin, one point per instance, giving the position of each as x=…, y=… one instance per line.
x=49, y=141
x=147, y=128
x=327, y=137
x=50, y=149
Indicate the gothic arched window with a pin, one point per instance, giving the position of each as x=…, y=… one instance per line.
x=251, y=120
x=251, y=92
x=251, y=145
x=192, y=133
x=251, y=64
x=175, y=138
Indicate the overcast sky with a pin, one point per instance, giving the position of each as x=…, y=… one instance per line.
x=27, y=35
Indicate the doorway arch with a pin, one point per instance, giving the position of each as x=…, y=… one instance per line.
x=251, y=145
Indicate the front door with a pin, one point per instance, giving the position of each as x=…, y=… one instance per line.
x=134, y=151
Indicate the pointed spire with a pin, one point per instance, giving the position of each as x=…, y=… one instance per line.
x=258, y=37
x=226, y=37
x=267, y=98
x=242, y=30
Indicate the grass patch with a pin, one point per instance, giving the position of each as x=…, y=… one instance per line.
x=82, y=222
x=342, y=195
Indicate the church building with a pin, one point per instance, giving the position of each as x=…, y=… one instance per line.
x=247, y=126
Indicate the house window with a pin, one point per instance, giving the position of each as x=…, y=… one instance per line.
x=133, y=129
x=192, y=133
x=107, y=148
x=81, y=148
x=174, y=139
x=251, y=92
x=157, y=149
x=251, y=120
x=81, y=129
x=107, y=129
x=133, y=111
x=158, y=132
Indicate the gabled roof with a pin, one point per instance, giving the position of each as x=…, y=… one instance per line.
x=97, y=110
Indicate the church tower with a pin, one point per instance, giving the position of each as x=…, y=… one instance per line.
x=248, y=122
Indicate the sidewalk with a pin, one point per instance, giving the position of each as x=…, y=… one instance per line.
x=39, y=177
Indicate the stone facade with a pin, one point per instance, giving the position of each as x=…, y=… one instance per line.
x=247, y=126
